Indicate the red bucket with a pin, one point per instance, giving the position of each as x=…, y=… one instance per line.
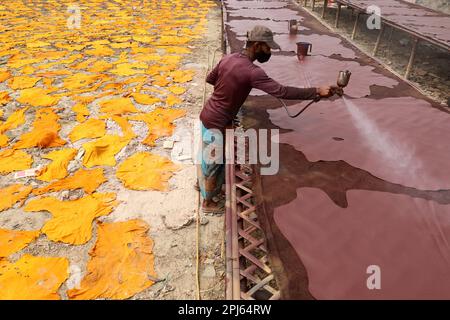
x=303, y=48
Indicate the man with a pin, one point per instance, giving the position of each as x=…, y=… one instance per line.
x=233, y=78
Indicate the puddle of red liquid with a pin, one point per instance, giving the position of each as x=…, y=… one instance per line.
x=405, y=142
x=408, y=238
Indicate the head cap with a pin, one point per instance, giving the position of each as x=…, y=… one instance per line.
x=262, y=34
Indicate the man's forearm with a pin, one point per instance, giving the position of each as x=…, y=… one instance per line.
x=293, y=93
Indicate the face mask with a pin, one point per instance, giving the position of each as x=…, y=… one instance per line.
x=262, y=57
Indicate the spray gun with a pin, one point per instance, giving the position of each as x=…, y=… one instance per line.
x=342, y=82
x=343, y=79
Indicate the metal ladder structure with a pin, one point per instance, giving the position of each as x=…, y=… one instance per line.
x=248, y=272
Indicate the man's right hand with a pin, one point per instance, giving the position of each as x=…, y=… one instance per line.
x=324, y=91
x=328, y=91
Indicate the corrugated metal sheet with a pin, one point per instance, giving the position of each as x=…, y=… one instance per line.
x=426, y=23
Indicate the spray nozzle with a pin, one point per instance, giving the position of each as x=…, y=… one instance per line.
x=342, y=81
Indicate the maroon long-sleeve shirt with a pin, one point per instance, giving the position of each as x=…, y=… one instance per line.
x=233, y=78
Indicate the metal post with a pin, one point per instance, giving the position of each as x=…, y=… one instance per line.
x=313, y=4
x=325, y=4
x=234, y=234
x=338, y=14
x=377, y=44
x=411, y=57
x=229, y=179
x=355, y=26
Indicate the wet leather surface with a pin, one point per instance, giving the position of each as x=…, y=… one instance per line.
x=355, y=188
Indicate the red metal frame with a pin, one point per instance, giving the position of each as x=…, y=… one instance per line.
x=248, y=273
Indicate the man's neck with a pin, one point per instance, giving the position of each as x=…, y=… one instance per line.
x=249, y=54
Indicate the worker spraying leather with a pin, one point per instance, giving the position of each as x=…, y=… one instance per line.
x=233, y=78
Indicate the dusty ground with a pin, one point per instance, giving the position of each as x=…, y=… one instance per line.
x=431, y=69
x=170, y=215
x=174, y=225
